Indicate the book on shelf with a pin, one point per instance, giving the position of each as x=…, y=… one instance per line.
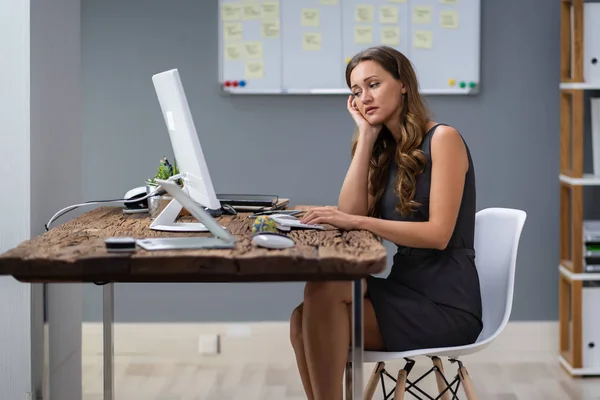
x=591, y=245
x=595, y=117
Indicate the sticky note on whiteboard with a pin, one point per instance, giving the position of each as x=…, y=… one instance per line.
x=423, y=39
x=230, y=12
x=251, y=11
x=233, y=51
x=311, y=41
x=233, y=31
x=421, y=15
x=390, y=35
x=310, y=17
x=270, y=29
x=363, y=34
x=388, y=14
x=255, y=69
x=449, y=19
x=270, y=10
x=364, y=13
x=254, y=50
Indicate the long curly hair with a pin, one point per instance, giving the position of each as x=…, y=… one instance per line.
x=414, y=116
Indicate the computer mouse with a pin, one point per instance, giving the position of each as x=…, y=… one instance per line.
x=272, y=240
x=133, y=194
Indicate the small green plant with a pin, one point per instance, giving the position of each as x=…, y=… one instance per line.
x=164, y=172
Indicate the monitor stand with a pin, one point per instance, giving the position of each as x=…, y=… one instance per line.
x=166, y=220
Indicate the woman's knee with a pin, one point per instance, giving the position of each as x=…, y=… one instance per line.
x=328, y=291
x=296, y=326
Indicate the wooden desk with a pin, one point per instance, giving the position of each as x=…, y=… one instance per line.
x=75, y=252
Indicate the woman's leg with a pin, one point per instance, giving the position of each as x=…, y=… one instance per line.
x=298, y=346
x=326, y=335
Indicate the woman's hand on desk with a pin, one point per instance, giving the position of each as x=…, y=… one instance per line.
x=331, y=216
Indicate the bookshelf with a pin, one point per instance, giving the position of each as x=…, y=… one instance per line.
x=572, y=277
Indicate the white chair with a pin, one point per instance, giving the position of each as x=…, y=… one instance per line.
x=497, y=235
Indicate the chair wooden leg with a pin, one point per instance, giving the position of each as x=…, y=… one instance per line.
x=441, y=384
x=374, y=380
x=401, y=384
x=465, y=380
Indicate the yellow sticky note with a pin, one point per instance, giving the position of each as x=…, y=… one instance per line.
x=270, y=29
x=230, y=12
x=422, y=15
x=348, y=59
x=253, y=50
x=311, y=41
x=364, y=13
x=251, y=11
x=310, y=17
x=390, y=35
x=363, y=34
x=452, y=2
x=388, y=14
x=423, y=39
x=233, y=51
x=270, y=10
x=328, y=2
x=449, y=19
x=255, y=69
x=233, y=31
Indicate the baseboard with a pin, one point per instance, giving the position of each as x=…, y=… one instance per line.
x=269, y=341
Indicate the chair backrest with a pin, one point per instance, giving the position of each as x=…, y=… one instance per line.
x=497, y=235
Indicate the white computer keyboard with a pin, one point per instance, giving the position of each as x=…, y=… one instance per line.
x=287, y=222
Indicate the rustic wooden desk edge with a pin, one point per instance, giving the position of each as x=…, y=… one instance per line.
x=328, y=255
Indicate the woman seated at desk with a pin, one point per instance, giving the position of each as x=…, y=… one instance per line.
x=411, y=182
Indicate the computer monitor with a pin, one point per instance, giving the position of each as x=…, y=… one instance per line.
x=187, y=151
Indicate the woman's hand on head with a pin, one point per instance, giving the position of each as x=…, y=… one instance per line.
x=365, y=129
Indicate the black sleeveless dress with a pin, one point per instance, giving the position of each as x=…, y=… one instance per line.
x=431, y=298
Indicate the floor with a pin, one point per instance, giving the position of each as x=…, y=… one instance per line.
x=255, y=361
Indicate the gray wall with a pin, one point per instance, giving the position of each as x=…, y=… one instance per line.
x=56, y=137
x=40, y=137
x=511, y=127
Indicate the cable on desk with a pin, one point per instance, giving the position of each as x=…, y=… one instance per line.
x=72, y=207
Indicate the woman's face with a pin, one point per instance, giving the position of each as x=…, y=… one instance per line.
x=377, y=95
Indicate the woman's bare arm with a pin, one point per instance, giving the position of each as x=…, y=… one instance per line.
x=449, y=166
x=354, y=196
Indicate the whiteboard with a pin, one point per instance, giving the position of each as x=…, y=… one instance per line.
x=303, y=46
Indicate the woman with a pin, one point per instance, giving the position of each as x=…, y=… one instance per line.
x=411, y=182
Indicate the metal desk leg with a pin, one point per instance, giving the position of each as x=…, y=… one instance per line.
x=357, y=340
x=107, y=327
